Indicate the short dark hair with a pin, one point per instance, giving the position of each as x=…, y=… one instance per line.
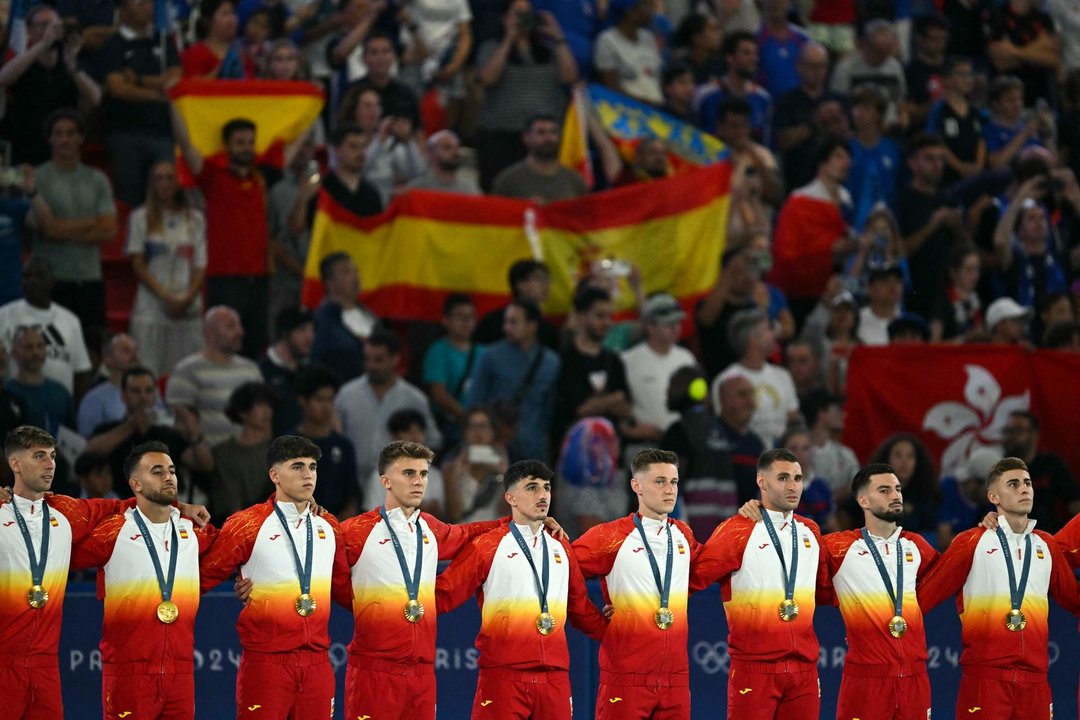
x=952, y=62
x=453, y=300
x=136, y=455
x=403, y=449
x=921, y=141
x=385, y=339
x=1003, y=84
x=524, y=469
x=733, y=106
x=674, y=71
x=246, y=397
x=732, y=40
x=26, y=437
x=767, y=458
x=289, y=447
x=343, y=132
x=870, y=94
x=1029, y=416
x=380, y=35
x=1003, y=466
x=539, y=117
x=862, y=478
x=326, y=265
x=313, y=378
x=532, y=313
x=522, y=270
x=653, y=456
x=824, y=150
x=402, y=420
x=64, y=113
x=89, y=462
x=136, y=371
x=588, y=296
x=234, y=126
x=925, y=23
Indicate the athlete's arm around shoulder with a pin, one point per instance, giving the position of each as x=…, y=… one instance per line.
x=232, y=547
x=950, y=570
x=722, y=553
x=452, y=539
x=595, y=551
x=95, y=548
x=1063, y=584
x=467, y=573
x=1068, y=538
x=824, y=593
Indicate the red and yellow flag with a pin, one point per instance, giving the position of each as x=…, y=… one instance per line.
x=427, y=245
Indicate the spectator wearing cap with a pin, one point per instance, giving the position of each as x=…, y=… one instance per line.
x=342, y=324
x=1007, y=321
x=628, y=54
x=741, y=55
x=958, y=310
x=444, y=165
x=885, y=292
x=1057, y=496
x=963, y=495
x=833, y=461
x=294, y=335
x=1027, y=268
x=448, y=364
x=874, y=61
x=529, y=281
x=909, y=328
x=651, y=363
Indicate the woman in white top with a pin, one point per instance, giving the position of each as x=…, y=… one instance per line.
x=167, y=244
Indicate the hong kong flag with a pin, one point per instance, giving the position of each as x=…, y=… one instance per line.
x=957, y=398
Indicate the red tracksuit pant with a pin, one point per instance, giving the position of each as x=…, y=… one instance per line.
x=389, y=691
x=285, y=686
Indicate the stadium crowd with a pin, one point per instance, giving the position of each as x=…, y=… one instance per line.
x=935, y=144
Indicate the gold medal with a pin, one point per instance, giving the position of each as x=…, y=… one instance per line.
x=1015, y=620
x=789, y=610
x=664, y=618
x=305, y=605
x=37, y=596
x=167, y=612
x=545, y=623
x=414, y=610
x=897, y=626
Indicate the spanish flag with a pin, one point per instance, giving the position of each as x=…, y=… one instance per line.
x=427, y=245
x=574, y=145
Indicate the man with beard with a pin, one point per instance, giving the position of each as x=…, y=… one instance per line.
x=149, y=580
x=444, y=154
x=540, y=176
x=741, y=54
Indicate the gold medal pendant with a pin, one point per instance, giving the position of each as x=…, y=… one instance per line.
x=789, y=610
x=545, y=623
x=37, y=596
x=1015, y=620
x=897, y=626
x=664, y=618
x=167, y=612
x=414, y=610
x=305, y=605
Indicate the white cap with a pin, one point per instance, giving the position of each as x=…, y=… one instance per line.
x=1005, y=309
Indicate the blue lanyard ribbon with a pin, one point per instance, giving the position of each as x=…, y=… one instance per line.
x=664, y=588
x=789, y=577
x=1016, y=593
x=412, y=584
x=540, y=578
x=165, y=584
x=896, y=596
x=37, y=564
x=304, y=571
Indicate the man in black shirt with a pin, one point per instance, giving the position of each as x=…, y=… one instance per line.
x=396, y=97
x=529, y=282
x=294, y=335
x=1057, y=497
x=924, y=72
x=957, y=120
x=345, y=184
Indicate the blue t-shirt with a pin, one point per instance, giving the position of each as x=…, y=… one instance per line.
x=873, y=176
x=817, y=501
x=760, y=112
x=998, y=135
x=12, y=221
x=957, y=510
x=48, y=405
x=776, y=69
x=580, y=21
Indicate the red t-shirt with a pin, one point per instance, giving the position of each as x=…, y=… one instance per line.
x=236, y=227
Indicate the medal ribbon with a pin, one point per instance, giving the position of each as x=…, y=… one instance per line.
x=1016, y=593
x=897, y=597
x=664, y=588
x=304, y=571
x=164, y=584
x=412, y=584
x=540, y=578
x=789, y=577
x=37, y=564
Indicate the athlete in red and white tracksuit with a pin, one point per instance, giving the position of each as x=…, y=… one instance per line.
x=1068, y=539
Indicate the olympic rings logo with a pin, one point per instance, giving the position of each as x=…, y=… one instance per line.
x=711, y=657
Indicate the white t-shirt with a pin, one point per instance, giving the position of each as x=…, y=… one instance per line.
x=874, y=330
x=172, y=255
x=65, y=348
x=774, y=392
x=437, y=22
x=647, y=374
x=638, y=64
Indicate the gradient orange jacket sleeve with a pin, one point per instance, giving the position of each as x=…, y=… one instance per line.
x=825, y=595
x=1063, y=586
x=467, y=573
x=949, y=571
x=341, y=575
x=722, y=553
x=1068, y=538
x=929, y=555
x=583, y=614
x=353, y=534
x=206, y=536
x=595, y=551
x=452, y=539
x=95, y=548
x=231, y=549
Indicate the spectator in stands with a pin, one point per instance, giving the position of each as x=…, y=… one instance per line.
x=1051, y=309
x=833, y=461
x=519, y=375
x=875, y=158
x=218, y=54
x=137, y=77
x=380, y=56
x=237, y=230
x=349, y=184
x=16, y=193
x=963, y=495
x=732, y=293
x=289, y=245
x=874, y=62
x=918, y=481
x=800, y=114
x=73, y=214
x=1059, y=498
x=832, y=23
x=925, y=71
x=166, y=241
x=105, y=401
x=142, y=422
x=523, y=73
x=529, y=282
x=780, y=43
x=366, y=403
x=628, y=54
x=540, y=177
x=1007, y=321
x=930, y=223
x=283, y=60
x=45, y=402
x=677, y=83
x=448, y=365
x=411, y=426
x=94, y=475
x=316, y=390
x=833, y=325
x=909, y=328
x=444, y=162
x=1022, y=41
x=239, y=469
x=802, y=360
x=41, y=79
x=66, y=358
x=472, y=475
x=734, y=118
x=958, y=311
x=342, y=324
x=741, y=56
x=201, y=383
x=294, y=335
x=438, y=44
x=817, y=497
x=393, y=157
x=592, y=379
x=588, y=472
x=879, y=243
x=752, y=338
x=885, y=292
x=1027, y=268
x=697, y=43
x=362, y=107
x=958, y=122
x=1006, y=130
x=357, y=19
x=650, y=160
x=651, y=363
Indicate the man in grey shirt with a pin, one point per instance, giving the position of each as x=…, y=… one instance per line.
x=444, y=162
x=540, y=177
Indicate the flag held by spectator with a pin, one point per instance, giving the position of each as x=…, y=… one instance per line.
x=574, y=147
